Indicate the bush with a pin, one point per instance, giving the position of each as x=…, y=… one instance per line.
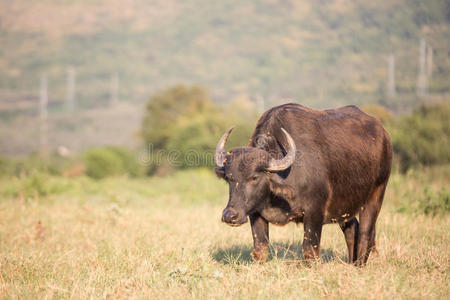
x=34, y=185
x=427, y=201
x=30, y=165
x=423, y=138
x=129, y=161
x=6, y=167
x=183, y=126
x=195, y=142
x=435, y=203
x=168, y=108
x=110, y=161
x=39, y=184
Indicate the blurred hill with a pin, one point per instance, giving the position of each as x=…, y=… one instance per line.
x=313, y=51
x=116, y=125
x=321, y=53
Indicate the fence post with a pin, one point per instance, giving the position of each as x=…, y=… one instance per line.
x=114, y=88
x=391, y=76
x=43, y=116
x=70, y=98
x=422, y=76
x=429, y=62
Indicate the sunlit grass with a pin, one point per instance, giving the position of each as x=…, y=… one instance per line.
x=162, y=238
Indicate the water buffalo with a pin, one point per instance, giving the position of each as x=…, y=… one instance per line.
x=310, y=166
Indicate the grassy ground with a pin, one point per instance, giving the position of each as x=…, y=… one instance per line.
x=162, y=238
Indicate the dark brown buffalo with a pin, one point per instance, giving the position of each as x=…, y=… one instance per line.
x=310, y=166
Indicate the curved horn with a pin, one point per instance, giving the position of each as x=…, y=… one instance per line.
x=220, y=148
x=285, y=162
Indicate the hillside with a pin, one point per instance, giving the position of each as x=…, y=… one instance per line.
x=319, y=52
x=116, y=125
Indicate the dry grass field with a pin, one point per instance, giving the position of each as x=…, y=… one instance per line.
x=162, y=238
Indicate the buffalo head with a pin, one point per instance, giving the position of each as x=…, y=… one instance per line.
x=252, y=178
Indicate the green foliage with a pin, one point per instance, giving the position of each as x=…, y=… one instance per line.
x=31, y=164
x=423, y=138
x=427, y=201
x=182, y=127
x=168, y=108
x=40, y=184
x=129, y=161
x=434, y=203
x=34, y=185
x=195, y=141
x=102, y=162
x=99, y=163
x=6, y=167
x=421, y=191
x=193, y=186
x=110, y=161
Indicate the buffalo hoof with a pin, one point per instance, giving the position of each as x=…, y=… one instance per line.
x=260, y=255
x=374, y=250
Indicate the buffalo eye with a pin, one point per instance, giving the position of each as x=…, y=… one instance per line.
x=254, y=178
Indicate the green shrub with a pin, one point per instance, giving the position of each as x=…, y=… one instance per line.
x=34, y=185
x=423, y=138
x=195, y=142
x=6, y=167
x=30, y=165
x=435, y=203
x=101, y=163
x=182, y=127
x=129, y=161
x=110, y=161
x=427, y=201
x=168, y=108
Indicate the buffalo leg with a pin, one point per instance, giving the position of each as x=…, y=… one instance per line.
x=350, y=229
x=367, y=219
x=260, y=233
x=311, y=241
x=372, y=244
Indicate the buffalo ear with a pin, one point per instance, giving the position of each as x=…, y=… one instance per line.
x=280, y=188
x=220, y=172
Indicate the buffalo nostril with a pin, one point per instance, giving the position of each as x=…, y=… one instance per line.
x=229, y=216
